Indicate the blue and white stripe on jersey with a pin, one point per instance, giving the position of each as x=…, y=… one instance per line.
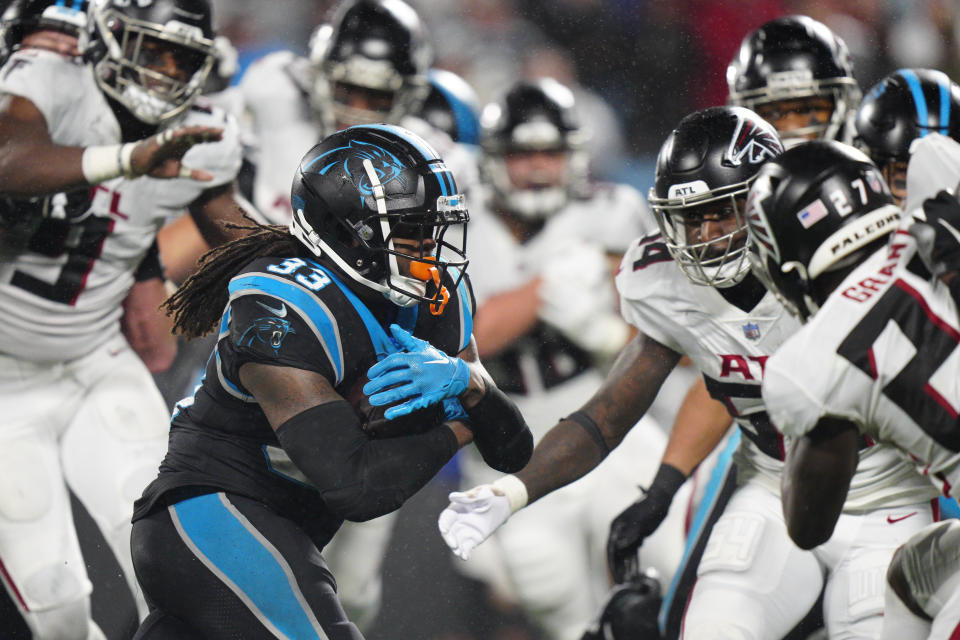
x=382, y=343
x=243, y=559
x=466, y=317
x=312, y=310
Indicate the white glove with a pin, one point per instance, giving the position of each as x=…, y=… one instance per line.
x=577, y=298
x=473, y=515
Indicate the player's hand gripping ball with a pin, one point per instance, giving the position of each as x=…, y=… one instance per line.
x=372, y=418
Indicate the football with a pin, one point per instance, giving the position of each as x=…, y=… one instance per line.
x=374, y=423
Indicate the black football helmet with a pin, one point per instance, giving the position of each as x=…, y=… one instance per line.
x=128, y=41
x=363, y=187
x=452, y=106
x=630, y=612
x=533, y=115
x=705, y=166
x=811, y=212
x=791, y=58
x=377, y=48
x=22, y=16
x=905, y=105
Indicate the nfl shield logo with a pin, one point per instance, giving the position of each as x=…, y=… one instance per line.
x=751, y=331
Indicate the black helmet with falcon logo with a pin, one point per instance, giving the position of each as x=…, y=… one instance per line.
x=704, y=171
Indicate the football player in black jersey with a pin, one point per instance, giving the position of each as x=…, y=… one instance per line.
x=280, y=443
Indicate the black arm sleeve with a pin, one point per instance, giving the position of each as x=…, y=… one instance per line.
x=500, y=432
x=150, y=267
x=360, y=478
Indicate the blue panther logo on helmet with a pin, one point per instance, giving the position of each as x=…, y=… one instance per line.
x=387, y=166
x=267, y=330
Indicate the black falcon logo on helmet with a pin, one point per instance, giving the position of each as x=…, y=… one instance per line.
x=751, y=143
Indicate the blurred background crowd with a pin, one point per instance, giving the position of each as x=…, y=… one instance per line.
x=638, y=66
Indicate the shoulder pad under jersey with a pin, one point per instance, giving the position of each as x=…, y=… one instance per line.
x=288, y=311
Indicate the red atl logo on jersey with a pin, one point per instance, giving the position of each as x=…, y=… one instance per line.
x=745, y=367
x=751, y=143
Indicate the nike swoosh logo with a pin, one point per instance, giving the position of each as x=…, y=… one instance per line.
x=441, y=361
x=893, y=520
x=280, y=313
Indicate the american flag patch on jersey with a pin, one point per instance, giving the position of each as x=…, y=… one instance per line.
x=814, y=212
x=751, y=331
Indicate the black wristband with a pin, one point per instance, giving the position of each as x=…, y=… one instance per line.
x=499, y=431
x=668, y=480
x=588, y=425
x=150, y=266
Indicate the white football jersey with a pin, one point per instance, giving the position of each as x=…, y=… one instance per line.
x=731, y=347
x=275, y=90
x=544, y=370
x=61, y=298
x=284, y=127
x=612, y=215
x=882, y=352
x=608, y=219
x=934, y=165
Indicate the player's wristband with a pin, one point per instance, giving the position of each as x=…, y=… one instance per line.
x=513, y=489
x=107, y=162
x=499, y=431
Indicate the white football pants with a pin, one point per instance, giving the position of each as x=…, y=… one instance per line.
x=753, y=583
x=98, y=425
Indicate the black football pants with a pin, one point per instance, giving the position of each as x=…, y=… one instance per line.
x=224, y=567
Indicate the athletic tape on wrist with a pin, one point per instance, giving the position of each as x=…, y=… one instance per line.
x=513, y=489
x=102, y=163
x=126, y=158
x=107, y=162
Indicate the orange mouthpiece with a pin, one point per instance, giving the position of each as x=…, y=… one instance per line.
x=420, y=270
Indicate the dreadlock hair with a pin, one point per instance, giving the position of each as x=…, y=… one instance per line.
x=197, y=305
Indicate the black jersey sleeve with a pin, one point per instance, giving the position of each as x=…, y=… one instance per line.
x=272, y=320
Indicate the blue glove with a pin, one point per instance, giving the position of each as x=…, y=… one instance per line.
x=453, y=410
x=418, y=377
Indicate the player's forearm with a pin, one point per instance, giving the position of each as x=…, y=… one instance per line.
x=149, y=331
x=816, y=478
x=35, y=170
x=181, y=246
x=505, y=317
x=565, y=454
x=698, y=428
x=574, y=447
x=215, y=211
x=361, y=478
